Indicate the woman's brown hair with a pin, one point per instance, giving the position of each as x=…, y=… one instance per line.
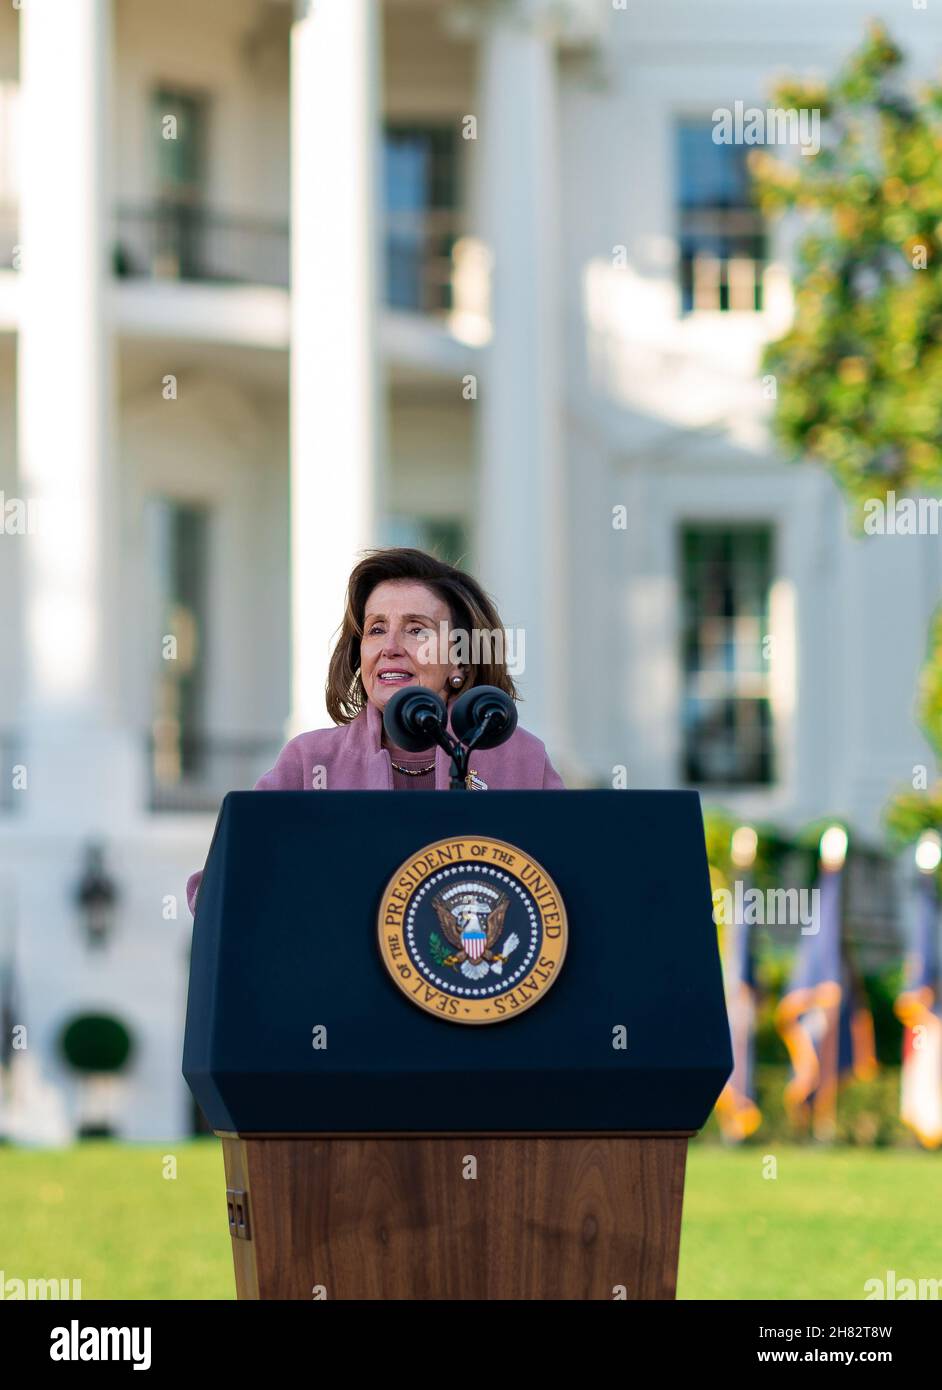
x=470, y=607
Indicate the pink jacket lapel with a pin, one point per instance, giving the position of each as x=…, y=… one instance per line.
x=367, y=762
x=369, y=759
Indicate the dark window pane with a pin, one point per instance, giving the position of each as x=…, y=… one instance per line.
x=179, y=535
x=721, y=236
x=420, y=193
x=180, y=152
x=727, y=721
x=181, y=177
x=446, y=537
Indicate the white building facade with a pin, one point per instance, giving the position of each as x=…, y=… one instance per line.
x=527, y=301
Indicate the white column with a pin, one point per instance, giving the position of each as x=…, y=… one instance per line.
x=334, y=366
x=521, y=542
x=81, y=767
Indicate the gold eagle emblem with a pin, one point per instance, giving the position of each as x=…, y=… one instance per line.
x=474, y=940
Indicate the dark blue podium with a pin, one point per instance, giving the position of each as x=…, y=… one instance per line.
x=455, y=1045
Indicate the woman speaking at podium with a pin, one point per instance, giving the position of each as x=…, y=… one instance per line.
x=409, y=620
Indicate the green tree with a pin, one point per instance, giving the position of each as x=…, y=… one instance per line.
x=859, y=373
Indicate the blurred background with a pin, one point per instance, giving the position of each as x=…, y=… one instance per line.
x=282, y=280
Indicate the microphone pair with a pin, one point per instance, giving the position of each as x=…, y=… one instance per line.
x=416, y=718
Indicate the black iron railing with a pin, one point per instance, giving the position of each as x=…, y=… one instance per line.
x=419, y=267
x=193, y=772
x=169, y=242
x=166, y=241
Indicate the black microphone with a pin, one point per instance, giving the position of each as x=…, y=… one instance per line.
x=415, y=718
x=487, y=709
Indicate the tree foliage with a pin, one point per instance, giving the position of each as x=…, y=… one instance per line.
x=859, y=374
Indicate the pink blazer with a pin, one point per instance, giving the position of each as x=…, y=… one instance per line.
x=350, y=757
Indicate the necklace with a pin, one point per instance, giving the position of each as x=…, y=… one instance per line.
x=413, y=771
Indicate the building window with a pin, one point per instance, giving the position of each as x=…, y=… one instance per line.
x=721, y=235
x=178, y=540
x=442, y=536
x=181, y=178
x=167, y=237
x=192, y=767
x=727, y=719
x=420, y=193
x=176, y=234
x=181, y=147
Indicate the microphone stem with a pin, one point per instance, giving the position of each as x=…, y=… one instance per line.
x=457, y=751
x=472, y=740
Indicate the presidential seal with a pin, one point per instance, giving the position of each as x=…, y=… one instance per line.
x=473, y=930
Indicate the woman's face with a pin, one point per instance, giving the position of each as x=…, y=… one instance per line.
x=401, y=642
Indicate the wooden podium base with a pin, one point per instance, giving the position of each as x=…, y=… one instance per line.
x=528, y=1216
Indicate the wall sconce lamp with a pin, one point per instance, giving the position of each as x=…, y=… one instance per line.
x=96, y=897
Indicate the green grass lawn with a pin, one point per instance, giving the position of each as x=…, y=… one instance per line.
x=829, y=1221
